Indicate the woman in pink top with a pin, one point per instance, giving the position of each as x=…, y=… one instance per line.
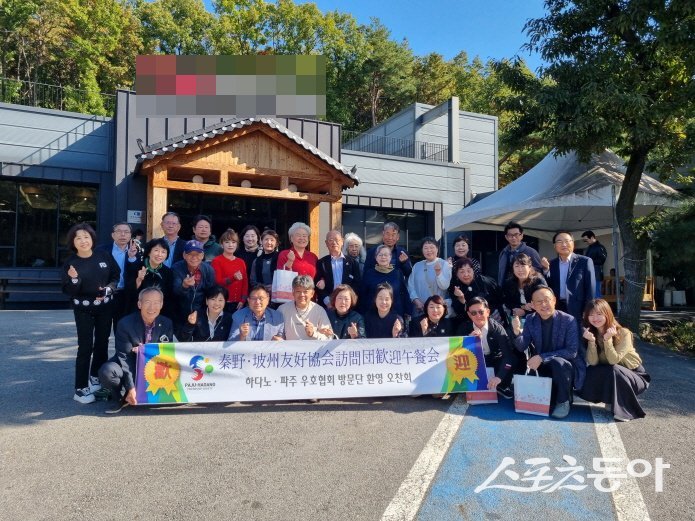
x=230, y=272
x=298, y=258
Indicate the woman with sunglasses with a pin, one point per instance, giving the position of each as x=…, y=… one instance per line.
x=614, y=374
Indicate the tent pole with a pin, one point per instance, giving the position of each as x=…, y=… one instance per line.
x=615, y=252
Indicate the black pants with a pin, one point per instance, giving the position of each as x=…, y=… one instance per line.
x=518, y=367
x=120, y=307
x=93, y=330
x=562, y=373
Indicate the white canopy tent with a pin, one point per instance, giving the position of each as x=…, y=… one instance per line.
x=562, y=193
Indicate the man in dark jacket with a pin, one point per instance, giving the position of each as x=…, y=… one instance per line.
x=597, y=253
x=554, y=342
x=497, y=347
x=192, y=277
x=514, y=234
x=335, y=269
x=133, y=332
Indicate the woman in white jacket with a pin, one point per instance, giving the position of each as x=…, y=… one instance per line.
x=429, y=277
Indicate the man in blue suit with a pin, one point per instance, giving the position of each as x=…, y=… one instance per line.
x=258, y=321
x=133, y=332
x=554, y=341
x=570, y=276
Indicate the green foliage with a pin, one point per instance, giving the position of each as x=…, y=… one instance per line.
x=678, y=335
x=621, y=75
x=175, y=26
x=674, y=255
x=90, y=46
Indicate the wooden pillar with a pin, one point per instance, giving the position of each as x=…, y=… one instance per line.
x=156, y=201
x=314, y=224
x=337, y=214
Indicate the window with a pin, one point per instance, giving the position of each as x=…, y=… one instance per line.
x=35, y=219
x=368, y=223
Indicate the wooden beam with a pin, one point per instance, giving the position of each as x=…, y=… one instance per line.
x=284, y=182
x=315, y=224
x=224, y=178
x=336, y=214
x=156, y=206
x=248, y=192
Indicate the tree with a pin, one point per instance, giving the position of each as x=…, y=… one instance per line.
x=620, y=75
x=388, y=72
x=175, y=26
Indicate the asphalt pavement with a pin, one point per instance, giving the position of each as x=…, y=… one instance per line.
x=272, y=461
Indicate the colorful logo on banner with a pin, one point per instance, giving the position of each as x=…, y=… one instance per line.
x=162, y=375
x=465, y=366
x=200, y=366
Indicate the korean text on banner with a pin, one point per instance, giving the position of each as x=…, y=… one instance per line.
x=259, y=371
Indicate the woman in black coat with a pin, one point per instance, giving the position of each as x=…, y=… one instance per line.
x=518, y=289
x=465, y=285
x=345, y=321
x=434, y=323
x=212, y=325
x=150, y=272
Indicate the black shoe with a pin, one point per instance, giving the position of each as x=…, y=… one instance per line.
x=118, y=408
x=505, y=392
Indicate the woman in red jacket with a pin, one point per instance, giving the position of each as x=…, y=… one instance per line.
x=230, y=272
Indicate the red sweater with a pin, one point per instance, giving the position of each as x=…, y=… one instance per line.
x=224, y=276
x=305, y=265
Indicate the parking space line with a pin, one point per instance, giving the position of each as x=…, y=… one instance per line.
x=628, y=501
x=407, y=501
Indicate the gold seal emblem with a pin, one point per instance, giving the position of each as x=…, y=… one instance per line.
x=462, y=363
x=162, y=372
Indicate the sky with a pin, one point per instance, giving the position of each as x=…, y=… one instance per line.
x=484, y=28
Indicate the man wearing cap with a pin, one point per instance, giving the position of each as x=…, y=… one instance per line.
x=192, y=277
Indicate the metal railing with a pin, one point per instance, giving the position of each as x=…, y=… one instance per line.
x=35, y=94
x=389, y=146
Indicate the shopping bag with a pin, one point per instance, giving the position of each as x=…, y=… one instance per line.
x=282, y=286
x=532, y=394
x=485, y=396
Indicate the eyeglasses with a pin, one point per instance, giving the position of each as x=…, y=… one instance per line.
x=474, y=312
x=514, y=235
x=257, y=299
x=542, y=302
x=564, y=241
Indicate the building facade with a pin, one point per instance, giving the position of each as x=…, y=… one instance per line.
x=59, y=168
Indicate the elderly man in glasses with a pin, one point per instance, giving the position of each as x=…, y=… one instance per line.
x=554, y=342
x=497, y=347
x=570, y=276
x=258, y=321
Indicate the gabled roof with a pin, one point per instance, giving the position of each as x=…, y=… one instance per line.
x=211, y=131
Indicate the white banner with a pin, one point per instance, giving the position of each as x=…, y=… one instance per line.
x=258, y=371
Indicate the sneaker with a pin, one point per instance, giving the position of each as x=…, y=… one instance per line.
x=561, y=410
x=94, y=384
x=83, y=395
x=505, y=392
x=619, y=419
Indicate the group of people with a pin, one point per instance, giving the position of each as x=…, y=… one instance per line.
x=538, y=315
